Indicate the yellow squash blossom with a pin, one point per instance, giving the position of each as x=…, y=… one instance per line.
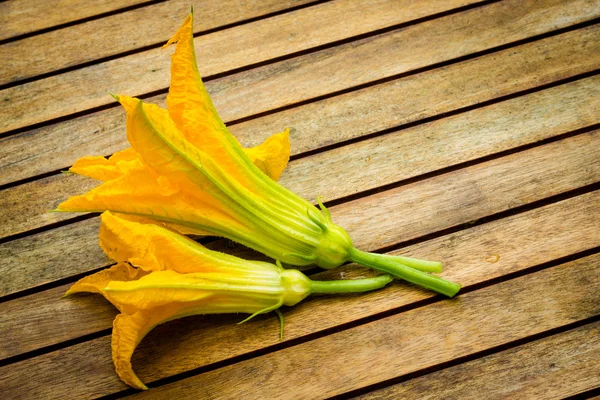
x=194, y=176
x=173, y=277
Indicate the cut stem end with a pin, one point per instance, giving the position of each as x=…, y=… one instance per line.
x=392, y=266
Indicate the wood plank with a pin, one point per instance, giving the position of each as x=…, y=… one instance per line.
x=365, y=60
x=270, y=38
x=431, y=146
x=438, y=203
x=479, y=190
x=372, y=109
x=551, y=368
x=404, y=343
x=47, y=193
x=154, y=25
x=19, y=17
x=375, y=108
x=410, y=341
x=40, y=259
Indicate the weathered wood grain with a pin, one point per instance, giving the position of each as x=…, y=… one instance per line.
x=19, y=17
x=471, y=193
x=382, y=160
x=551, y=368
x=390, y=217
x=403, y=343
x=410, y=341
x=407, y=342
x=40, y=258
x=45, y=194
x=154, y=25
x=305, y=77
x=342, y=117
x=273, y=37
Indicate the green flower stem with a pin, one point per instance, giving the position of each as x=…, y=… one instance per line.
x=421, y=265
x=350, y=285
x=390, y=265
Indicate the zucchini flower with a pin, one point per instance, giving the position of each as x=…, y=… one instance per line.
x=192, y=175
x=172, y=277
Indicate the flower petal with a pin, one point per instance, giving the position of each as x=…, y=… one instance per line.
x=97, y=167
x=194, y=114
x=96, y=282
x=128, y=332
x=188, y=102
x=272, y=155
x=130, y=329
x=154, y=248
x=157, y=289
x=157, y=198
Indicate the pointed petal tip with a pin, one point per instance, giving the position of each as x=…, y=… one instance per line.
x=129, y=103
x=188, y=20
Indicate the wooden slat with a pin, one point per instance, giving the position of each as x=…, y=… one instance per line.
x=41, y=258
x=409, y=341
x=437, y=91
x=378, y=221
x=551, y=368
x=432, y=146
x=479, y=190
x=269, y=38
x=360, y=356
x=377, y=108
x=18, y=17
x=155, y=24
x=364, y=61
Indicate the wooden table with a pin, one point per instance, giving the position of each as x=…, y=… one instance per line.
x=460, y=130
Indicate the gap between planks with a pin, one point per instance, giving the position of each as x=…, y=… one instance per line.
x=574, y=277
x=34, y=103
x=568, y=56
x=308, y=29
x=439, y=203
x=49, y=59
x=410, y=341
x=101, y=133
x=20, y=19
x=552, y=367
x=495, y=129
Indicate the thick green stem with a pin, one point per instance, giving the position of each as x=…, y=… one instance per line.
x=350, y=285
x=390, y=265
x=421, y=265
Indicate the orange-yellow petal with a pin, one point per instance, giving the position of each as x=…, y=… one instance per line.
x=188, y=101
x=272, y=155
x=140, y=193
x=128, y=332
x=164, y=149
x=158, y=289
x=130, y=329
x=155, y=248
x=96, y=282
x=103, y=169
x=194, y=114
x=148, y=246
